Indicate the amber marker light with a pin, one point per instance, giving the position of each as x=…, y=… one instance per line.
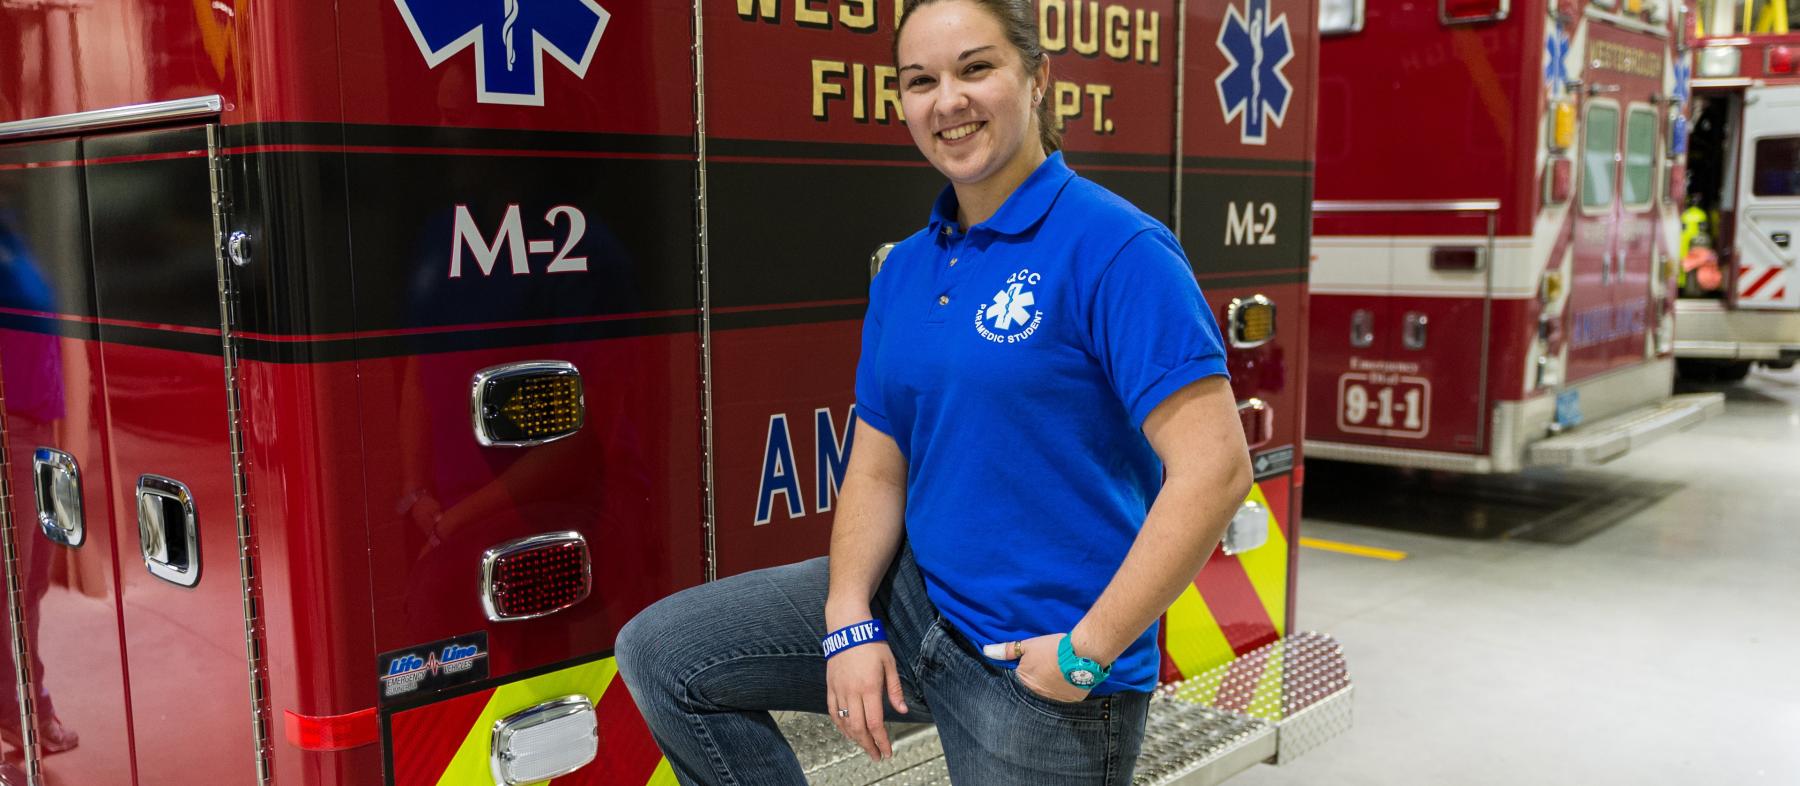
x=1250, y=321
x=525, y=404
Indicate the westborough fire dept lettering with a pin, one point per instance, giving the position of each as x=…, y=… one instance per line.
x=780, y=475
x=511, y=238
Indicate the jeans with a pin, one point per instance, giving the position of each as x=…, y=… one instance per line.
x=707, y=665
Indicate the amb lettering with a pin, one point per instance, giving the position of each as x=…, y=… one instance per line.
x=781, y=476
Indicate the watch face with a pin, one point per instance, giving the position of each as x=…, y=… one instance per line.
x=1081, y=677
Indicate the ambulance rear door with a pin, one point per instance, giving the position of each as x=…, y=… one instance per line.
x=1769, y=200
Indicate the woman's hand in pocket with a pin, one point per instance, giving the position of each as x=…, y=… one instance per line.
x=1038, y=669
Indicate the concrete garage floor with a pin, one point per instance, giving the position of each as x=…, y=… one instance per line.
x=1634, y=624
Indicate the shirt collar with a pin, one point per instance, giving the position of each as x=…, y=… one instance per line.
x=1023, y=208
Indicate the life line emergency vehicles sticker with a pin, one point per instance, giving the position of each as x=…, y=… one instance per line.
x=1253, y=90
x=429, y=668
x=510, y=38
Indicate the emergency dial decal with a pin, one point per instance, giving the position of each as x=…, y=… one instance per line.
x=1012, y=315
x=510, y=38
x=1253, y=90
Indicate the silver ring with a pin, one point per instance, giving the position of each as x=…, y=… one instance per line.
x=843, y=712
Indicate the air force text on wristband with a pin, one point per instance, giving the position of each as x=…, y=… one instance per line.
x=853, y=636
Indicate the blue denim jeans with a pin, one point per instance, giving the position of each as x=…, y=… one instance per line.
x=707, y=665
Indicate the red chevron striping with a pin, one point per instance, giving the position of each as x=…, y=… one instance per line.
x=427, y=738
x=1751, y=290
x=1275, y=490
x=1233, y=601
x=628, y=754
x=1780, y=294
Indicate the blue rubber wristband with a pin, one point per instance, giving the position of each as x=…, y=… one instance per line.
x=853, y=636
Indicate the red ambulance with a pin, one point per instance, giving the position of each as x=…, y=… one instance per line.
x=366, y=365
x=1743, y=192
x=1493, y=283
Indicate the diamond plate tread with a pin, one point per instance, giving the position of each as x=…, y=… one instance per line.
x=1604, y=440
x=1200, y=731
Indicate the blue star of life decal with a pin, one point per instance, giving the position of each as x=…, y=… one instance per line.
x=510, y=38
x=1556, y=61
x=1682, y=73
x=1253, y=85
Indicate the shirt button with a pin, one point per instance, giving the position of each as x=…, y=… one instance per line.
x=943, y=300
x=953, y=263
x=949, y=229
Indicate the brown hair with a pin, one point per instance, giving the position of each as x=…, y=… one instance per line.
x=1018, y=20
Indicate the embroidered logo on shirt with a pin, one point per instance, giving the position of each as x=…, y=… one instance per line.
x=1013, y=314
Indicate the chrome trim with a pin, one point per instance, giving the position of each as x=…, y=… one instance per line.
x=1248, y=530
x=1358, y=9
x=703, y=261
x=1362, y=328
x=1234, y=330
x=1724, y=81
x=511, y=547
x=249, y=587
x=152, y=532
x=879, y=258
x=1412, y=330
x=544, y=368
x=1403, y=206
x=1444, y=15
x=1180, y=157
x=47, y=508
x=547, y=712
x=134, y=114
x=1621, y=20
x=15, y=604
x=237, y=248
x=1398, y=457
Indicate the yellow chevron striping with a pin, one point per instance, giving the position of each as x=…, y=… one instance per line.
x=1267, y=567
x=1268, y=701
x=1194, y=639
x=469, y=767
x=663, y=776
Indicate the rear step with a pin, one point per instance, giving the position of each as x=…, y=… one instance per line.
x=1201, y=730
x=1605, y=440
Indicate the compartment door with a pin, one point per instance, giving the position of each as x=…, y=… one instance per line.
x=150, y=217
x=1768, y=236
x=55, y=422
x=1590, y=304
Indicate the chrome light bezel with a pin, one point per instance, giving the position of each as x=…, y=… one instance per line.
x=505, y=729
x=1234, y=327
x=479, y=389
x=490, y=559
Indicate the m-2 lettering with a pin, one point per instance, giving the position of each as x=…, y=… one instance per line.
x=1243, y=229
x=510, y=238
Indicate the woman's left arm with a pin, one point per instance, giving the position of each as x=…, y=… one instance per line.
x=1197, y=434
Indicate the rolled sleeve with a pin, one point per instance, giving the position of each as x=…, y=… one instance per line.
x=1152, y=330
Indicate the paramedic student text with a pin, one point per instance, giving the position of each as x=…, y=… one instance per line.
x=1047, y=450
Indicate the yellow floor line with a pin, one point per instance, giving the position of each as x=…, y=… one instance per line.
x=1351, y=548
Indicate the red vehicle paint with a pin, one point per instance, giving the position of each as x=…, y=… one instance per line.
x=1480, y=284
x=272, y=279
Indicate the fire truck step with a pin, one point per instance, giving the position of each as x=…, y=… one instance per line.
x=1269, y=705
x=1605, y=440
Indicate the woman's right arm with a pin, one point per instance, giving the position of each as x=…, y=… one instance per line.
x=864, y=539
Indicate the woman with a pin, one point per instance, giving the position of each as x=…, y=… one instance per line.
x=1037, y=368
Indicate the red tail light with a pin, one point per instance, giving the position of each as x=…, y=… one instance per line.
x=535, y=576
x=1259, y=422
x=1782, y=60
x=1453, y=12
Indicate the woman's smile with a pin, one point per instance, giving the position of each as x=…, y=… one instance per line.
x=958, y=133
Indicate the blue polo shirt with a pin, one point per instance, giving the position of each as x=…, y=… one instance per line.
x=1014, y=362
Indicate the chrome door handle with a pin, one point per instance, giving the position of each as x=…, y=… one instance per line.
x=1412, y=333
x=168, y=530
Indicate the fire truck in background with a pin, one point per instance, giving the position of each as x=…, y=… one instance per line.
x=1740, y=301
x=366, y=365
x=1495, y=233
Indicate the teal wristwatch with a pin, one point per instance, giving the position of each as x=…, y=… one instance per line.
x=1081, y=672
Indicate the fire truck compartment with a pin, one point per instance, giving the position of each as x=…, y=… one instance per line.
x=1708, y=329
x=1270, y=705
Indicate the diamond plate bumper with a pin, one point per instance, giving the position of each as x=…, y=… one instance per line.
x=1269, y=705
x=1596, y=443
